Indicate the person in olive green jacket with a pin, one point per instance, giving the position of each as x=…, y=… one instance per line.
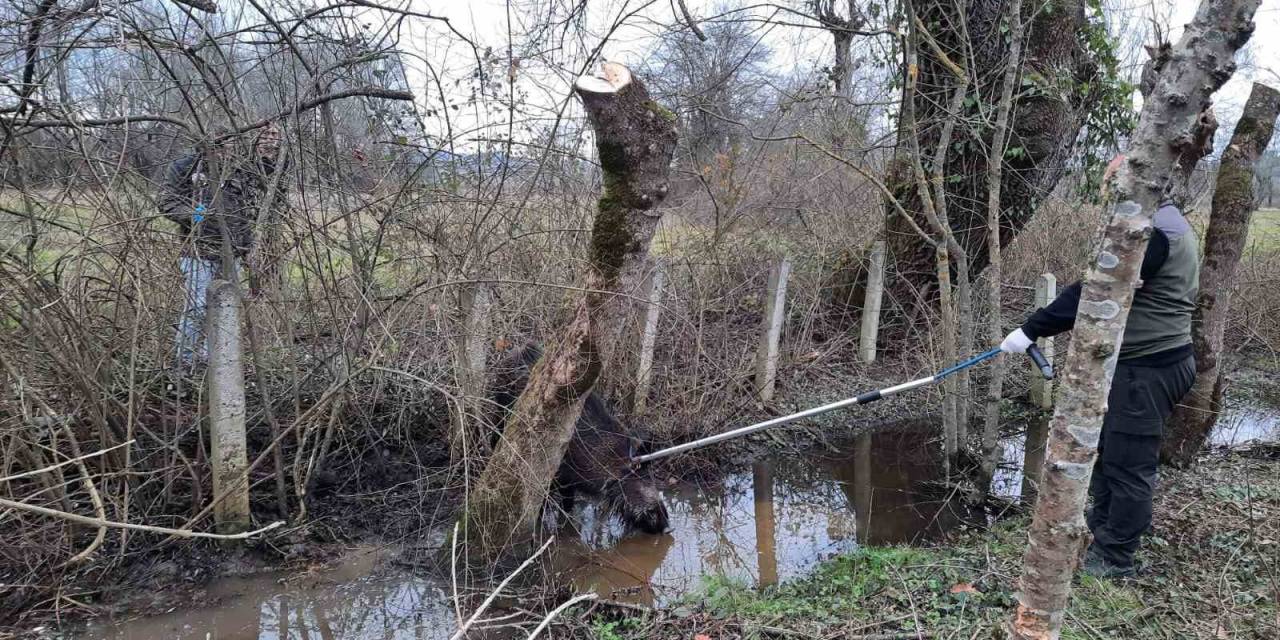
x=1155, y=369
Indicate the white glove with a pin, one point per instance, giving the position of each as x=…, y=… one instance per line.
x=1016, y=342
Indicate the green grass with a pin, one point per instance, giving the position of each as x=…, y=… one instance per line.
x=1264, y=231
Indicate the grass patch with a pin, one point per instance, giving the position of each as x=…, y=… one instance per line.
x=1264, y=231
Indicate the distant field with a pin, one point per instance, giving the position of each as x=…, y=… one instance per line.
x=1264, y=230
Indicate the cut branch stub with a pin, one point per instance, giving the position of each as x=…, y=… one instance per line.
x=635, y=139
x=634, y=135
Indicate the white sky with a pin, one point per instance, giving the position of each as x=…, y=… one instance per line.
x=794, y=47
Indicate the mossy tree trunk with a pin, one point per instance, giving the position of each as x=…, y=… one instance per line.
x=1198, y=65
x=635, y=139
x=1233, y=206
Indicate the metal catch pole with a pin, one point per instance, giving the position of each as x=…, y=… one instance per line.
x=865, y=398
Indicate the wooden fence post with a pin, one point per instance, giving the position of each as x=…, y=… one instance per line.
x=228, y=449
x=1041, y=389
x=471, y=351
x=649, y=340
x=871, y=306
x=775, y=305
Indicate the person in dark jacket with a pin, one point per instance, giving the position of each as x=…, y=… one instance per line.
x=202, y=205
x=1155, y=369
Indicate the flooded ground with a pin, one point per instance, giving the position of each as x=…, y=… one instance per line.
x=761, y=525
x=1246, y=423
x=770, y=522
x=358, y=598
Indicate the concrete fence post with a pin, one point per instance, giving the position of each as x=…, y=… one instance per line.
x=1042, y=398
x=771, y=335
x=471, y=351
x=227, y=447
x=871, y=305
x=1041, y=389
x=649, y=339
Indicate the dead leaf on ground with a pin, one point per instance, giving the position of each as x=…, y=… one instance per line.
x=964, y=587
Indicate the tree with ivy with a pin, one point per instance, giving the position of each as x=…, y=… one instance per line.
x=1070, y=102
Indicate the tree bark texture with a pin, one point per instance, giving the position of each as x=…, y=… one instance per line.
x=1199, y=64
x=1233, y=206
x=635, y=139
x=467, y=437
x=1047, y=123
x=842, y=26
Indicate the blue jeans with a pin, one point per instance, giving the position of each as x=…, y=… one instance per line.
x=198, y=273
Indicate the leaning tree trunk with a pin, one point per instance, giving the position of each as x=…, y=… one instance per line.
x=1199, y=64
x=1047, y=124
x=1233, y=205
x=635, y=139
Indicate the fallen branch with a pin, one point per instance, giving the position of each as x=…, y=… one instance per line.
x=66, y=462
x=100, y=522
x=546, y=622
x=462, y=631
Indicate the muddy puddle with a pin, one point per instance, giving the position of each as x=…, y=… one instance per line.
x=767, y=523
x=1247, y=423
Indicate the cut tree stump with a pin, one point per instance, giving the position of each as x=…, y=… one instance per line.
x=635, y=139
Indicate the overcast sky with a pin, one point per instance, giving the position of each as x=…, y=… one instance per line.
x=794, y=47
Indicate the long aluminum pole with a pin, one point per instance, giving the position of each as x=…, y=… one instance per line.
x=807, y=413
x=870, y=396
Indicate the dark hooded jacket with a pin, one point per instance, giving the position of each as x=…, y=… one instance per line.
x=189, y=184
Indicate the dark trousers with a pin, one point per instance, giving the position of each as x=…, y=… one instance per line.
x=1124, y=476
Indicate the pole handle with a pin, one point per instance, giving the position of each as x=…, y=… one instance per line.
x=1042, y=363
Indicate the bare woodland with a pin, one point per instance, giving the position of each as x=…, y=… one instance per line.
x=622, y=184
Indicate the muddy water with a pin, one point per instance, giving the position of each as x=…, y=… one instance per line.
x=353, y=599
x=771, y=522
x=768, y=523
x=1245, y=423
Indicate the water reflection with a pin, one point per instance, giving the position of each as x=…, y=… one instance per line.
x=1243, y=424
x=894, y=482
x=766, y=545
x=774, y=521
x=763, y=525
x=351, y=600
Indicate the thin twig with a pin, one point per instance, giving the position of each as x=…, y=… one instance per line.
x=462, y=631
x=65, y=462
x=546, y=622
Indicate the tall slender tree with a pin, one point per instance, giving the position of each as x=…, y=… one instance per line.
x=1197, y=66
